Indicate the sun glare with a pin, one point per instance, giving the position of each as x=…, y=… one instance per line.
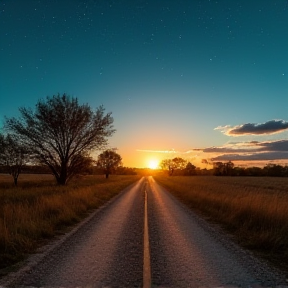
x=153, y=164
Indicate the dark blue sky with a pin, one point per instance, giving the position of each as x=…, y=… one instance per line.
x=170, y=71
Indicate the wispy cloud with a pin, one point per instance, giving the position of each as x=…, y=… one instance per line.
x=171, y=151
x=269, y=127
x=223, y=129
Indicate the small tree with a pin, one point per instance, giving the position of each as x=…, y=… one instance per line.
x=179, y=163
x=61, y=133
x=171, y=165
x=190, y=169
x=223, y=169
x=219, y=168
x=229, y=167
x=167, y=164
x=109, y=161
x=13, y=156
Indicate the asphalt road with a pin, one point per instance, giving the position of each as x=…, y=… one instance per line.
x=187, y=252
x=105, y=252
x=184, y=251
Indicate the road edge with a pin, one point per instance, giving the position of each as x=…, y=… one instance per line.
x=34, y=259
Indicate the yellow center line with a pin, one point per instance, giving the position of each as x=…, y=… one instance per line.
x=146, y=265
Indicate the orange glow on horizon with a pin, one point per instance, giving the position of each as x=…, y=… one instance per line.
x=153, y=164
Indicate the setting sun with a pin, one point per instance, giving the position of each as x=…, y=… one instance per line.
x=153, y=164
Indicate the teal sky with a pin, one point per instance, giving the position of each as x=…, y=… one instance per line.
x=170, y=71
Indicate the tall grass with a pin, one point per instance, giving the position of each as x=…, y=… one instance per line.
x=38, y=209
x=254, y=209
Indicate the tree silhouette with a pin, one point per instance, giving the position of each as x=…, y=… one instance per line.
x=61, y=133
x=167, y=164
x=229, y=166
x=13, y=156
x=219, y=168
x=179, y=163
x=171, y=165
x=109, y=161
x=190, y=169
x=223, y=169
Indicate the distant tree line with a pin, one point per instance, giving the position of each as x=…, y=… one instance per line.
x=28, y=169
x=120, y=170
x=228, y=169
x=180, y=166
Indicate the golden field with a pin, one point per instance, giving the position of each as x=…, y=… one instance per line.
x=253, y=209
x=38, y=209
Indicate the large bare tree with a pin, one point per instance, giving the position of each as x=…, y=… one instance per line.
x=61, y=133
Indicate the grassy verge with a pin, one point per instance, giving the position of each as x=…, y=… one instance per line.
x=38, y=209
x=254, y=210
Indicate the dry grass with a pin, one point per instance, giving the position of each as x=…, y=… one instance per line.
x=38, y=209
x=254, y=209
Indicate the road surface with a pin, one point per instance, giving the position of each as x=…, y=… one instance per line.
x=146, y=224
x=187, y=252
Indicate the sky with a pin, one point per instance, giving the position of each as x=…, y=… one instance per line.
x=203, y=79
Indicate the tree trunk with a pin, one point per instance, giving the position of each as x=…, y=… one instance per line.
x=15, y=173
x=62, y=180
x=107, y=175
x=63, y=175
x=15, y=180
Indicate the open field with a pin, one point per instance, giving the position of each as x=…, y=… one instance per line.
x=38, y=209
x=253, y=209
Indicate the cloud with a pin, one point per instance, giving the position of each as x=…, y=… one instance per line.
x=232, y=147
x=269, y=127
x=223, y=129
x=237, y=151
x=280, y=145
x=225, y=150
x=255, y=150
x=266, y=156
